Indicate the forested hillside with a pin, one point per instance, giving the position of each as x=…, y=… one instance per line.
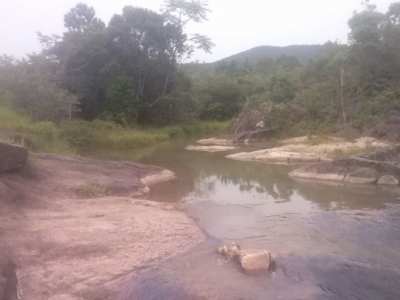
x=304, y=53
x=130, y=72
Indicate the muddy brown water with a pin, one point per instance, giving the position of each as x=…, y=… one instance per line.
x=344, y=241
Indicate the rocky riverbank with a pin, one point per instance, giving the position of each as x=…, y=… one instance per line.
x=71, y=228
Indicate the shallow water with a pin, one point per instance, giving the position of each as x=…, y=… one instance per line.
x=344, y=241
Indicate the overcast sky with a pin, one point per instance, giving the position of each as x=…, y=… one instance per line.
x=234, y=25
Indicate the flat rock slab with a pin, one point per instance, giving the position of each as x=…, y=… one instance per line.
x=361, y=176
x=279, y=156
x=321, y=171
x=117, y=178
x=210, y=149
x=12, y=157
x=388, y=180
x=87, y=249
x=332, y=146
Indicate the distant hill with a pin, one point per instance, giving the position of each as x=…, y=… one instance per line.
x=303, y=53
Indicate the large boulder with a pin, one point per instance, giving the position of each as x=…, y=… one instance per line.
x=321, y=170
x=248, y=121
x=12, y=157
x=362, y=176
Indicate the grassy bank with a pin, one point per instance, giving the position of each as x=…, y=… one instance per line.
x=75, y=136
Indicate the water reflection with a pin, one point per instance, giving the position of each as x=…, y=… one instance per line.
x=343, y=239
x=213, y=176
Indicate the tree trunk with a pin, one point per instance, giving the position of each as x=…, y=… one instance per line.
x=166, y=84
x=341, y=92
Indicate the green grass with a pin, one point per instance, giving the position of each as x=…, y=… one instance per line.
x=79, y=136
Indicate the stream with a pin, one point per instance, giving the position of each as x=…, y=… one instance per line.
x=343, y=241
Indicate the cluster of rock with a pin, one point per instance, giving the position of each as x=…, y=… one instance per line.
x=253, y=261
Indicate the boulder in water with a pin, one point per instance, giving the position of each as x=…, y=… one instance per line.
x=253, y=261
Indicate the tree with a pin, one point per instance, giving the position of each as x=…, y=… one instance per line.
x=177, y=14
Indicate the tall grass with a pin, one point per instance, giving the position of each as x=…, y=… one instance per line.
x=76, y=136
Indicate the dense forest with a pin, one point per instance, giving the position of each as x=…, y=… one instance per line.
x=134, y=70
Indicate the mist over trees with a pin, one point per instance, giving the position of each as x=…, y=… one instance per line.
x=134, y=70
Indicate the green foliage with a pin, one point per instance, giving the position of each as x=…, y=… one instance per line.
x=78, y=136
x=220, y=97
x=129, y=72
x=121, y=105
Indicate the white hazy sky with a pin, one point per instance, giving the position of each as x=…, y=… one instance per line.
x=234, y=25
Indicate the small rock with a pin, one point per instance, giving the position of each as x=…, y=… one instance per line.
x=232, y=251
x=388, y=180
x=255, y=262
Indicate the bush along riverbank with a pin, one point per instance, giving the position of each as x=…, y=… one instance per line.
x=75, y=136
